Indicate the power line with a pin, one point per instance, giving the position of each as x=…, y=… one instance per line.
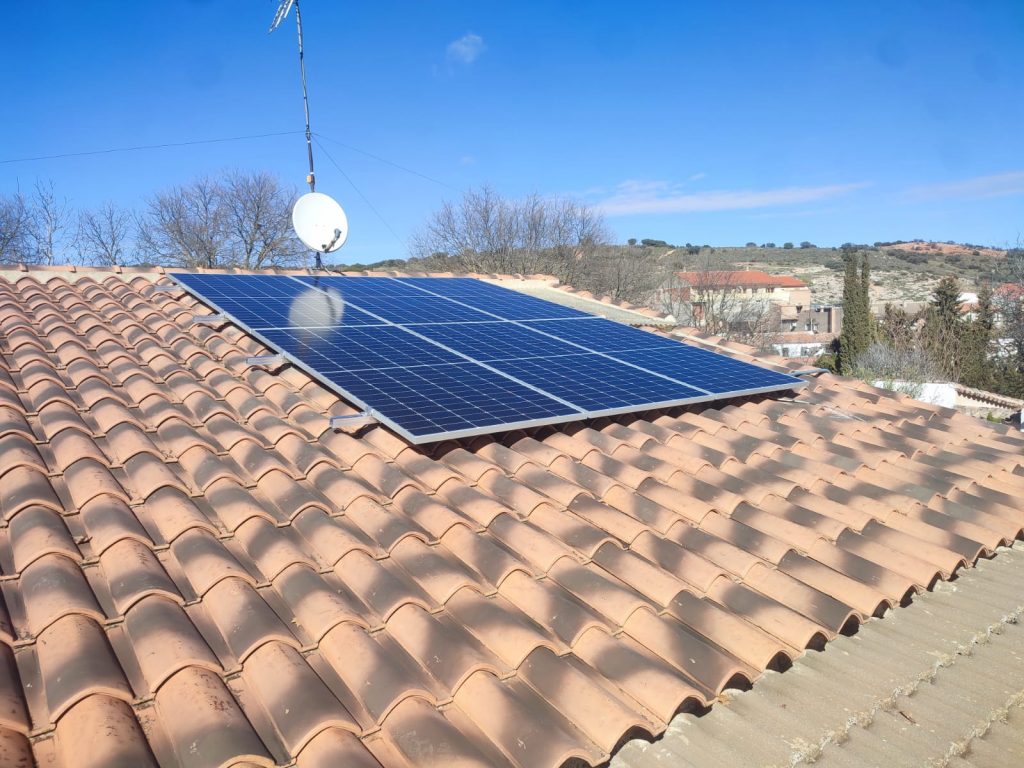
x=173, y=144
x=387, y=162
x=358, y=191
x=141, y=147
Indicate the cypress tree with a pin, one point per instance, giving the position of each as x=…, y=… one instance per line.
x=978, y=368
x=944, y=328
x=867, y=328
x=855, y=337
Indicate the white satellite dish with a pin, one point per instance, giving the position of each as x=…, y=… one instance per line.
x=320, y=222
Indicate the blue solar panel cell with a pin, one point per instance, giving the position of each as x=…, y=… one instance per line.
x=436, y=358
x=596, y=383
x=358, y=348
x=395, y=302
x=436, y=401
x=264, y=301
x=718, y=374
x=495, y=341
x=601, y=335
x=493, y=299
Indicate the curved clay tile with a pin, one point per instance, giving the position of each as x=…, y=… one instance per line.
x=38, y=531
x=133, y=573
x=77, y=742
x=319, y=604
x=76, y=661
x=205, y=723
x=442, y=646
x=165, y=640
x=243, y=618
x=295, y=699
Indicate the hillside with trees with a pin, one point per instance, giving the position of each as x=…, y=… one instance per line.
x=981, y=348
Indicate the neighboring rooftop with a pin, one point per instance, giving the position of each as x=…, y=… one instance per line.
x=938, y=684
x=748, y=278
x=196, y=571
x=550, y=290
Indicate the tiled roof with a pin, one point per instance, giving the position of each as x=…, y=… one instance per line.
x=938, y=684
x=743, y=278
x=197, y=572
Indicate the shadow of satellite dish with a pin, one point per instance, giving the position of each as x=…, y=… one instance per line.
x=319, y=222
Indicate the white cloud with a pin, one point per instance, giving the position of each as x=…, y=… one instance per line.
x=978, y=188
x=697, y=176
x=466, y=49
x=638, y=197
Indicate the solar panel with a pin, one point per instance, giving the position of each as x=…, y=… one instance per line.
x=438, y=358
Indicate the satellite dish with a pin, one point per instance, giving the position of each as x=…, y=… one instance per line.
x=320, y=222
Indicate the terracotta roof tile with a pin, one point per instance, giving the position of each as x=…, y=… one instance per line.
x=243, y=618
x=197, y=568
x=76, y=735
x=75, y=661
x=295, y=699
x=204, y=723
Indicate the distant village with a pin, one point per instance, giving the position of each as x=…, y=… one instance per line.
x=778, y=313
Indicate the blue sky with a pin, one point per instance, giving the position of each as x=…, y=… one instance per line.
x=705, y=122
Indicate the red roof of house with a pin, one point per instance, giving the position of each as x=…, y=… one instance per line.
x=749, y=278
x=1010, y=291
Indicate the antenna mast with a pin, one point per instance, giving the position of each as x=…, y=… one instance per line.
x=311, y=178
x=282, y=13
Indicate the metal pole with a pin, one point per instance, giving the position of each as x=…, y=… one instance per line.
x=311, y=178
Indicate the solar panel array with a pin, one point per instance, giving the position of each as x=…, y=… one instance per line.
x=437, y=358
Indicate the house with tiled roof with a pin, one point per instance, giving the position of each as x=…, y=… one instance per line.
x=197, y=570
x=732, y=298
x=743, y=279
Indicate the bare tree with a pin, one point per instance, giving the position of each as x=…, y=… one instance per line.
x=1015, y=261
x=673, y=298
x=578, y=234
x=15, y=223
x=709, y=287
x=709, y=295
x=905, y=369
x=258, y=222
x=50, y=221
x=757, y=323
x=243, y=221
x=485, y=232
x=103, y=235
x=185, y=226
x=480, y=233
x=626, y=274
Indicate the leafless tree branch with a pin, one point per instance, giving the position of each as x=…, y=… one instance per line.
x=15, y=223
x=103, y=235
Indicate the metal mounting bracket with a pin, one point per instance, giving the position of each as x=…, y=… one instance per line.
x=353, y=421
x=208, y=319
x=267, y=361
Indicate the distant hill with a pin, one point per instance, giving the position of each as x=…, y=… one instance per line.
x=946, y=249
x=906, y=271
